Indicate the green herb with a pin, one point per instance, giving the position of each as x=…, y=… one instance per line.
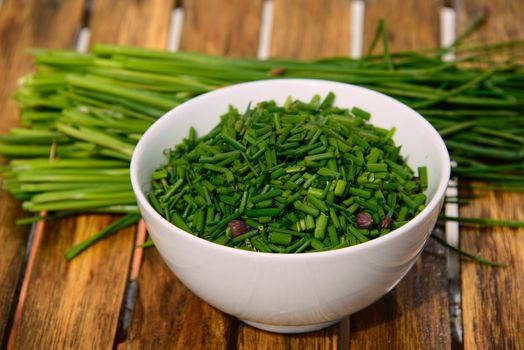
x=468, y=255
x=276, y=191
x=115, y=226
x=90, y=108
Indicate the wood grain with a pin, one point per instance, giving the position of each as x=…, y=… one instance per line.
x=504, y=19
x=131, y=22
x=310, y=29
x=304, y=29
x=493, y=299
x=251, y=338
x=415, y=314
x=20, y=24
x=14, y=240
x=75, y=304
x=83, y=298
x=411, y=23
x=166, y=314
x=229, y=28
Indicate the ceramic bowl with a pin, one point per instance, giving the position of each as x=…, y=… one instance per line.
x=291, y=293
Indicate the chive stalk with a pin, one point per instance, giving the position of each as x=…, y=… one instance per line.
x=90, y=114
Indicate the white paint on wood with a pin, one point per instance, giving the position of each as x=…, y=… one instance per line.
x=82, y=40
x=448, y=20
x=356, y=33
x=266, y=25
x=448, y=23
x=175, y=29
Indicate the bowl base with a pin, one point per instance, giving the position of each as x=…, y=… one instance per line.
x=290, y=329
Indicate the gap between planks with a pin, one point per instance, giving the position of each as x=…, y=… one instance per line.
x=35, y=238
x=448, y=23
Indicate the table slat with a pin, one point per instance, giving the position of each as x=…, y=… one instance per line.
x=411, y=23
x=83, y=298
x=14, y=240
x=167, y=314
x=75, y=304
x=310, y=29
x=19, y=29
x=128, y=22
x=492, y=302
x=227, y=28
x=415, y=315
x=492, y=298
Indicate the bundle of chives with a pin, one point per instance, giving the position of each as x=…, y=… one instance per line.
x=95, y=106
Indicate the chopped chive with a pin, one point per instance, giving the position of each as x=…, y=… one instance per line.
x=244, y=236
x=259, y=244
x=280, y=238
x=333, y=237
x=234, y=143
x=317, y=203
x=265, y=196
x=321, y=226
x=263, y=212
x=306, y=209
x=423, y=176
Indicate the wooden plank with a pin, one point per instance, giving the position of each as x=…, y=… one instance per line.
x=229, y=28
x=411, y=23
x=166, y=314
x=310, y=29
x=14, y=240
x=415, y=315
x=128, y=22
x=81, y=302
x=504, y=19
x=304, y=29
x=75, y=304
x=19, y=24
x=492, y=299
x=251, y=338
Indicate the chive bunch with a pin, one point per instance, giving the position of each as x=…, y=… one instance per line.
x=300, y=177
x=82, y=114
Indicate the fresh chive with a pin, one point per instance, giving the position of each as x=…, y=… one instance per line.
x=468, y=255
x=105, y=115
x=115, y=226
x=321, y=226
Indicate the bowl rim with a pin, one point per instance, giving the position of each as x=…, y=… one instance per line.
x=144, y=204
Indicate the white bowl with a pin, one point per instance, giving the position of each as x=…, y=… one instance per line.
x=291, y=293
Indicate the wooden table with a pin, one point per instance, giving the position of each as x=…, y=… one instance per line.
x=102, y=300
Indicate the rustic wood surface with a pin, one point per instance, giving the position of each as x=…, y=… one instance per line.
x=88, y=303
x=318, y=29
x=229, y=28
x=411, y=23
x=20, y=24
x=58, y=319
x=492, y=299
